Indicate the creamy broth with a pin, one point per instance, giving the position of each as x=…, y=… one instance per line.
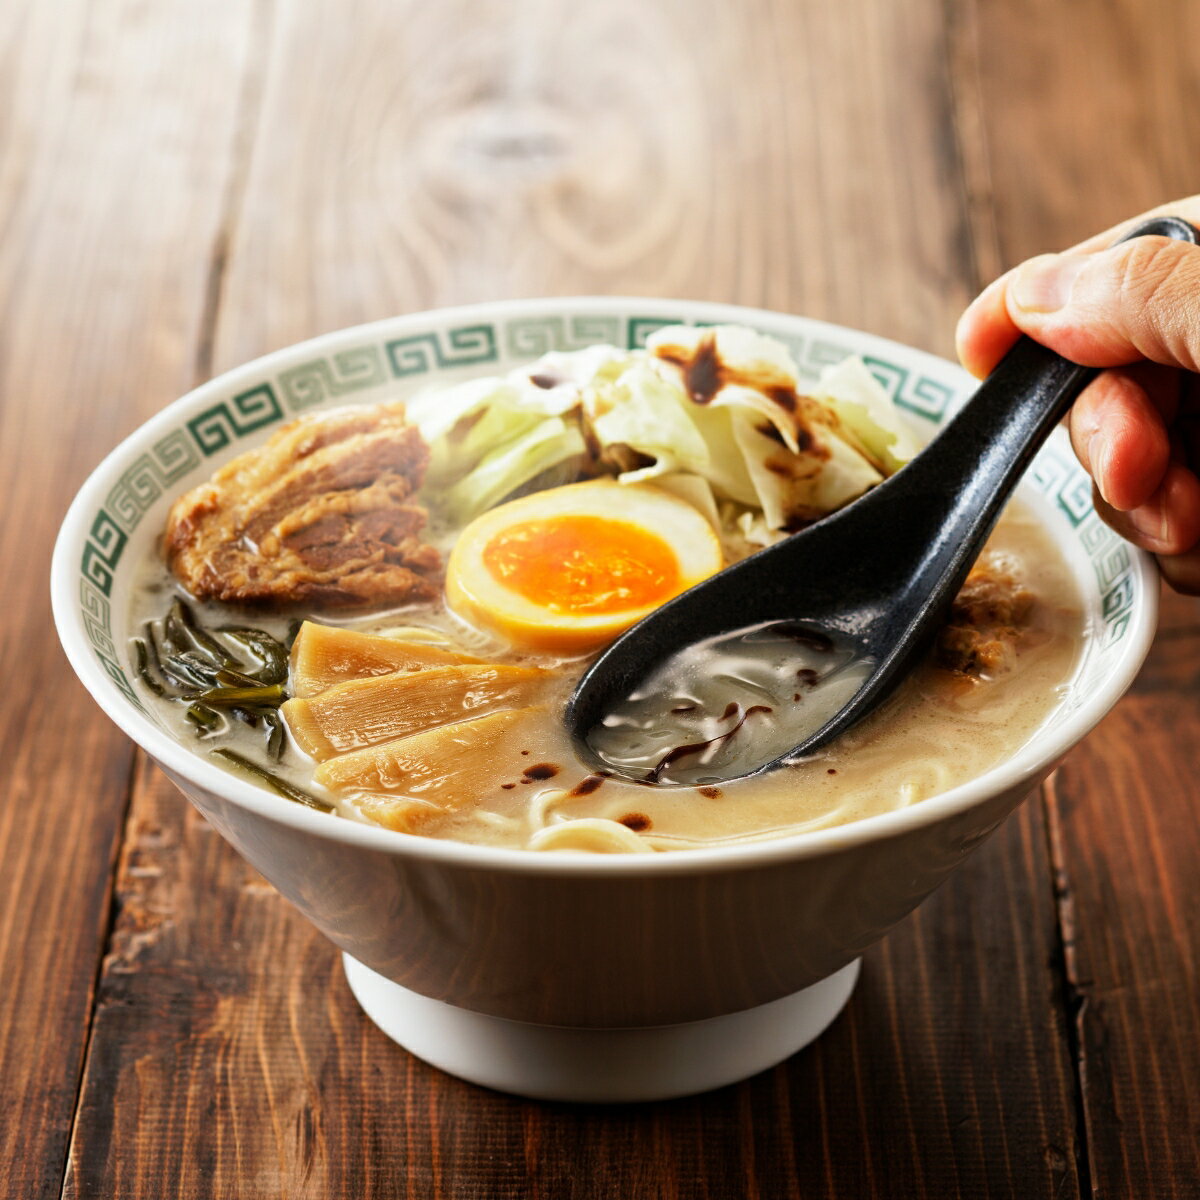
x=940, y=730
x=728, y=705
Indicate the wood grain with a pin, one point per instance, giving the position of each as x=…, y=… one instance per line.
x=1110, y=102
x=1124, y=809
x=534, y=155
x=235, y=1072
x=104, y=245
x=1087, y=113
x=185, y=187
x=558, y=149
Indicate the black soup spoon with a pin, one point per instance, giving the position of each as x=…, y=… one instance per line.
x=878, y=576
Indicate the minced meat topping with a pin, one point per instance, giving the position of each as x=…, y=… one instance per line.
x=987, y=619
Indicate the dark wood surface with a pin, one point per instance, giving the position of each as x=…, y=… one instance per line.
x=183, y=187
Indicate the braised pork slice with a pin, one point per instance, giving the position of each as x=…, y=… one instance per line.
x=989, y=616
x=323, y=514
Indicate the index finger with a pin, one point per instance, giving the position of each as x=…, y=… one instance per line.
x=1188, y=208
x=986, y=331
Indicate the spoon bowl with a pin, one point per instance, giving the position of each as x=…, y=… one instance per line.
x=878, y=576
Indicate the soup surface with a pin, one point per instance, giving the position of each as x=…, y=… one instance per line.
x=436, y=710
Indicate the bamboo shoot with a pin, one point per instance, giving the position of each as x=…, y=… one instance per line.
x=365, y=712
x=324, y=655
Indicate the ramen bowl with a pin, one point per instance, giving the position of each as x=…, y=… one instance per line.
x=609, y=977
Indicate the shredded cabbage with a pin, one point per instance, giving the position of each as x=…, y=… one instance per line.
x=716, y=414
x=863, y=406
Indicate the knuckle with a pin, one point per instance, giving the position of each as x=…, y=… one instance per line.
x=1159, y=281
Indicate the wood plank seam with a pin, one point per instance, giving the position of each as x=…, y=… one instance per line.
x=970, y=133
x=986, y=263
x=245, y=136
x=120, y=843
x=249, y=111
x=432, y=1131
x=1072, y=991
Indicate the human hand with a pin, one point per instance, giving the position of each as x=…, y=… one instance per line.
x=1133, y=308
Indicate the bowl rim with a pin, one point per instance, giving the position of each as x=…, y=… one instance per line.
x=1027, y=765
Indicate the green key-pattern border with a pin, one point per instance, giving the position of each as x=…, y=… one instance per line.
x=323, y=378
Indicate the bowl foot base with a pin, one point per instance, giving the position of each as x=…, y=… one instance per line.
x=552, y=1062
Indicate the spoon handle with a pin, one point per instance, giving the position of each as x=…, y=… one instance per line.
x=980, y=455
x=883, y=571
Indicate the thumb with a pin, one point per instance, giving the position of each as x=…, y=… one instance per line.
x=1137, y=300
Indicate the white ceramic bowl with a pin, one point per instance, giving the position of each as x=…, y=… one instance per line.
x=608, y=978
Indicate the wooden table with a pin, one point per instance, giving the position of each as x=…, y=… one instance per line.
x=185, y=186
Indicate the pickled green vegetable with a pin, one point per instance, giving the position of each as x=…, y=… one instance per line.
x=272, y=780
x=231, y=673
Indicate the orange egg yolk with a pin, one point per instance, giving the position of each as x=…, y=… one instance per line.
x=583, y=564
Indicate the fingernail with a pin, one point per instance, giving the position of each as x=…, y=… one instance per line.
x=1150, y=523
x=1097, y=457
x=1043, y=285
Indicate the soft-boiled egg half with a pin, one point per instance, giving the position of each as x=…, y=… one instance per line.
x=567, y=569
